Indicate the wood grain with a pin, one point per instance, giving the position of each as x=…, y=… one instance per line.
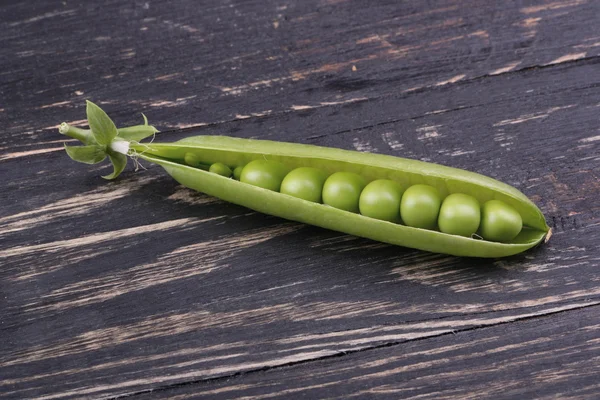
x=191, y=66
x=556, y=356
x=111, y=289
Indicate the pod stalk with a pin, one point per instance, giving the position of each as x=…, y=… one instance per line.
x=83, y=135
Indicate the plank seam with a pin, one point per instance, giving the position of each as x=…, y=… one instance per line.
x=584, y=61
x=342, y=354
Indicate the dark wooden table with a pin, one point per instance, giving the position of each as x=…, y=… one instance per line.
x=141, y=288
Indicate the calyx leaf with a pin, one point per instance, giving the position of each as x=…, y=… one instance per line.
x=103, y=128
x=92, y=154
x=137, y=132
x=119, y=161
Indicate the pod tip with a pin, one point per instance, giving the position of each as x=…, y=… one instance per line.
x=548, y=235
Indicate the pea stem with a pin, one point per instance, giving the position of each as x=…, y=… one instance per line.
x=83, y=135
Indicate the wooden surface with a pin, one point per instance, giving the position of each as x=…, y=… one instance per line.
x=141, y=288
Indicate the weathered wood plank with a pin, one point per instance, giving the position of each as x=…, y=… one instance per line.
x=551, y=357
x=191, y=65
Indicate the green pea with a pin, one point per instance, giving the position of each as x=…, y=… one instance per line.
x=237, y=172
x=342, y=190
x=380, y=199
x=459, y=215
x=420, y=206
x=220, y=169
x=499, y=221
x=191, y=159
x=264, y=173
x=305, y=183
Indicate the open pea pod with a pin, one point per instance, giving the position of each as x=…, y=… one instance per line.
x=235, y=152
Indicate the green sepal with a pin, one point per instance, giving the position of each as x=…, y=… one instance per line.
x=136, y=133
x=92, y=154
x=103, y=128
x=119, y=161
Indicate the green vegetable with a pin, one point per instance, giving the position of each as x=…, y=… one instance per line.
x=420, y=206
x=264, y=174
x=267, y=163
x=499, y=221
x=220, y=169
x=380, y=199
x=237, y=172
x=342, y=190
x=304, y=183
x=191, y=159
x=459, y=215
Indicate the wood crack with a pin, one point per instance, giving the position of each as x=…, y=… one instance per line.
x=417, y=117
x=594, y=303
x=584, y=60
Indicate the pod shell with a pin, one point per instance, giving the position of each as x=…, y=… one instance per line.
x=236, y=151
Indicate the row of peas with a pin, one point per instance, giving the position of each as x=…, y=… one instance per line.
x=420, y=206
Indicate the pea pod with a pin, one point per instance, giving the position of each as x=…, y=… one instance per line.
x=446, y=180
